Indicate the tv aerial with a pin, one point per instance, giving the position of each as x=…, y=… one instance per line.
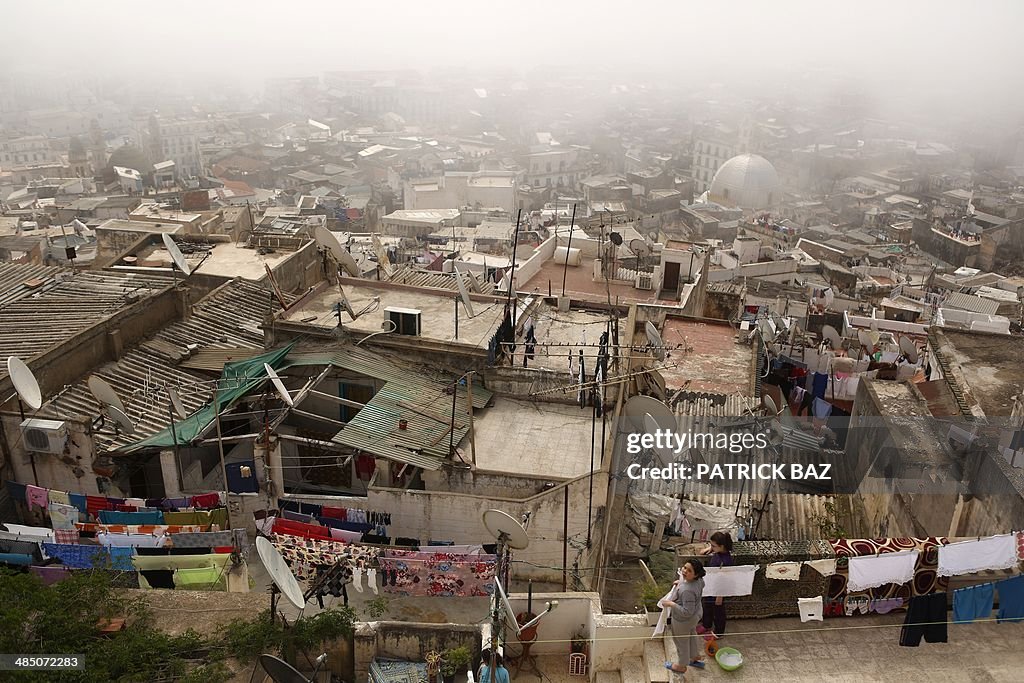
x=282, y=577
x=655, y=340
x=326, y=240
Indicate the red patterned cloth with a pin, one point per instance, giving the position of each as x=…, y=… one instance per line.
x=65, y=535
x=93, y=504
x=439, y=574
x=335, y=513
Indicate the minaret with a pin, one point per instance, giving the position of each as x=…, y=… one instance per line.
x=78, y=158
x=98, y=148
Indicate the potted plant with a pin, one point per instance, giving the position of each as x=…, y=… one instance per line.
x=433, y=666
x=650, y=594
x=455, y=661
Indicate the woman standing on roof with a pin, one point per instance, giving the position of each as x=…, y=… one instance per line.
x=720, y=550
x=684, y=605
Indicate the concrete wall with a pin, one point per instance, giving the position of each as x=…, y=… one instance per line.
x=574, y=614
x=949, y=250
x=111, y=242
x=754, y=270
x=300, y=271
x=456, y=516
x=531, y=266
x=409, y=641
x=820, y=251
x=616, y=637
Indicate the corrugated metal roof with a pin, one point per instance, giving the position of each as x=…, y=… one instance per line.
x=969, y=302
x=67, y=305
x=405, y=275
x=407, y=394
x=14, y=275
x=220, y=320
x=792, y=516
x=213, y=360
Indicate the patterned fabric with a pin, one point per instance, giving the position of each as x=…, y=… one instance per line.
x=1020, y=545
x=209, y=539
x=438, y=574
x=35, y=495
x=391, y=671
x=926, y=578
x=140, y=529
x=90, y=556
x=789, y=571
x=304, y=554
x=63, y=516
x=66, y=536
x=61, y=497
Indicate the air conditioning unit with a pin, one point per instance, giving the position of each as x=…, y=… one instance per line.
x=403, y=320
x=645, y=281
x=44, y=436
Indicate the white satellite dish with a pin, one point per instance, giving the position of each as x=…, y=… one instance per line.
x=865, y=339
x=639, y=407
x=279, y=385
x=654, y=338
x=122, y=420
x=909, y=349
x=104, y=393
x=769, y=403
x=828, y=332
x=176, y=255
x=326, y=239
x=651, y=426
x=462, y=291
x=24, y=382
x=279, y=572
x=176, y=403
x=504, y=527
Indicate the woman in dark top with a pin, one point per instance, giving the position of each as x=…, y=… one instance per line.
x=720, y=550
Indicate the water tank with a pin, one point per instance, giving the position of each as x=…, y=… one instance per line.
x=566, y=255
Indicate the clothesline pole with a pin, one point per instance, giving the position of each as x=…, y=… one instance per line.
x=565, y=538
x=469, y=409
x=220, y=447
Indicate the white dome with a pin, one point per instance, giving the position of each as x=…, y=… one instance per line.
x=748, y=181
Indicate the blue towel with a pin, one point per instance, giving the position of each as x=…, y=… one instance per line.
x=1011, y=599
x=360, y=527
x=15, y=559
x=78, y=556
x=974, y=602
x=78, y=500
x=114, y=517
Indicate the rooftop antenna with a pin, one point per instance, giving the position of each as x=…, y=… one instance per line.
x=327, y=240
x=655, y=340
x=464, y=295
x=27, y=389
x=282, y=577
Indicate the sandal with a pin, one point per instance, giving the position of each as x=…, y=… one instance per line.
x=697, y=664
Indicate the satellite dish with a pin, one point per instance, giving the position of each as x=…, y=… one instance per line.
x=326, y=239
x=828, y=332
x=279, y=385
x=769, y=403
x=640, y=248
x=279, y=572
x=873, y=327
x=865, y=339
x=104, y=393
x=909, y=349
x=651, y=426
x=874, y=336
x=122, y=420
x=654, y=338
x=176, y=255
x=279, y=670
x=24, y=382
x=176, y=403
x=639, y=407
x=462, y=291
x=615, y=238
x=500, y=524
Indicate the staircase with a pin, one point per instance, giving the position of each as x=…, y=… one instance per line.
x=650, y=668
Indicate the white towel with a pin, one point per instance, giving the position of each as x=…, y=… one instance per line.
x=871, y=571
x=357, y=579
x=811, y=609
x=729, y=581
x=659, y=628
x=371, y=580
x=965, y=557
x=826, y=567
x=790, y=571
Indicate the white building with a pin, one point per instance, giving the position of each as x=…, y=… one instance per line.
x=493, y=189
x=129, y=179
x=748, y=181
x=31, y=150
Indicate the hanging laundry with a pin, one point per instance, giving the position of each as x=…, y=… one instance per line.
x=114, y=517
x=208, y=578
x=80, y=502
x=156, y=578
x=825, y=567
x=1011, y=599
x=789, y=571
x=1020, y=545
x=208, y=539
x=856, y=603
x=63, y=516
x=51, y=574
x=822, y=409
x=438, y=574
x=811, y=609
x=885, y=605
x=35, y=495
x=16, y=491
x=357, y=578
x=206, y=500
x=729, y=581
x=90, y=556
x=659, y=628
x=165, y=562
x=973, y=602
x=926, y=617
x=870, y=571
x=297, y=516
x=61, y=497
x=29, y=533
x=131, y=540
x=66, y=536
x=965, y=557
x=371, y=580
x=820, y=384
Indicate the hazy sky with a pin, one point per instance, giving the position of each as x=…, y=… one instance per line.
x=971, y=47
